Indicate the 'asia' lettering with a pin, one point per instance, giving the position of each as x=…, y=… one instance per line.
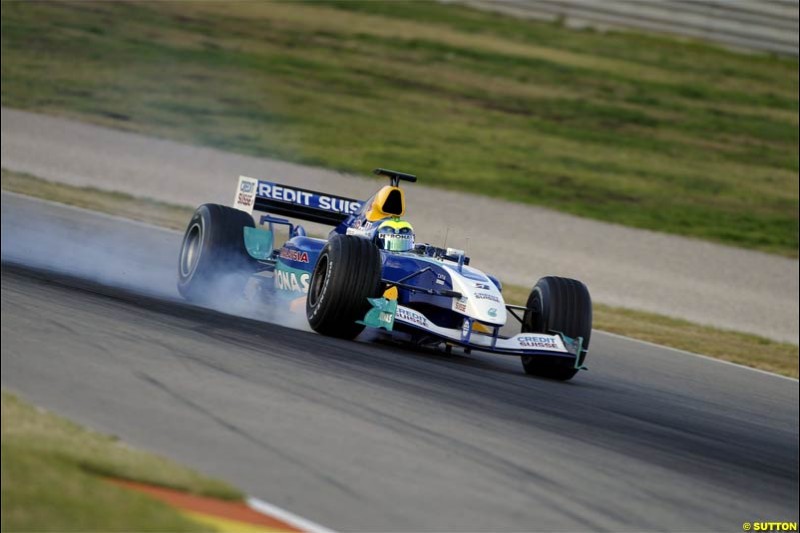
x=294, y=255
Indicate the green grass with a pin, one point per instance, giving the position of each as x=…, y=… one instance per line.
x=640, y=130
x=53, y=478
x=741, y=348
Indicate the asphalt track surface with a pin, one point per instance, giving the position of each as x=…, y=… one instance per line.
x=366, y=436
x=675, y=276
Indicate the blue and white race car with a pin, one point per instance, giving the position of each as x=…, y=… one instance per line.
x=370, y=273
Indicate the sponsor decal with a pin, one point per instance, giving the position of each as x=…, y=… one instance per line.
x=305, y=198
x=363, y=224
x=245, y=200
x=246, y=194
x=358, y=232
x=294, y=255
x=483, y=286
x=412, y=317
x=287, y=280
x=486, y=296
x=381, y=315
x=492, y=312
x=538, y=341
x=460, y=305
x=466, y=329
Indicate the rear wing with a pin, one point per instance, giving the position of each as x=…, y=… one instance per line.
x=258, y=195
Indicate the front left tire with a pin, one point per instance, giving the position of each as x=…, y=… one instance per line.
x=348, y=271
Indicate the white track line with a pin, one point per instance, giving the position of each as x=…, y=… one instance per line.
x=701, y=356
x=292, y=519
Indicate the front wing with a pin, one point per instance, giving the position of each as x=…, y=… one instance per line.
x=386, y=313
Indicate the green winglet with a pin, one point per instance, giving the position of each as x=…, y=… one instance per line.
x=576, y=343
x=258, y=242
x=381, y=315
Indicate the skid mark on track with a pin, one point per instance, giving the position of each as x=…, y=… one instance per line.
x=233, y=428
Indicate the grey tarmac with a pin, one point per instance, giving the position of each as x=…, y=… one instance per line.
x=363, y=436
x=696, y=280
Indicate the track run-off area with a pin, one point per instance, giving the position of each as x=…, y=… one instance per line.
x=366, y=436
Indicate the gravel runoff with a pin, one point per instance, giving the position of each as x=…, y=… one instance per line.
x=686, y=278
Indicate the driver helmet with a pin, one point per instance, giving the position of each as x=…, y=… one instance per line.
x=395, y=235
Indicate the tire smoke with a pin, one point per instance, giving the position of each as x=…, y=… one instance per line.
x=121, y=253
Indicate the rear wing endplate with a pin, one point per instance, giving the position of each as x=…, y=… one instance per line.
x=258, y=195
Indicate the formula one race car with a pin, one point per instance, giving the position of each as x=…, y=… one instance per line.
x=370, y=273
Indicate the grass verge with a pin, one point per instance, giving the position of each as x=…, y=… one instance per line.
x=640, y=130
x=53, y=478
x=741, y=348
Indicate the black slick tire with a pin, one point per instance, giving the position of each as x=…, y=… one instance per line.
x=557, y=304
x=348, y=271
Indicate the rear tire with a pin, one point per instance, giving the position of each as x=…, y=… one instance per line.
x=557, y=304
x=348, y=271
x=213, y=255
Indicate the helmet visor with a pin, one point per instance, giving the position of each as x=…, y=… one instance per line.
x=397, y=242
